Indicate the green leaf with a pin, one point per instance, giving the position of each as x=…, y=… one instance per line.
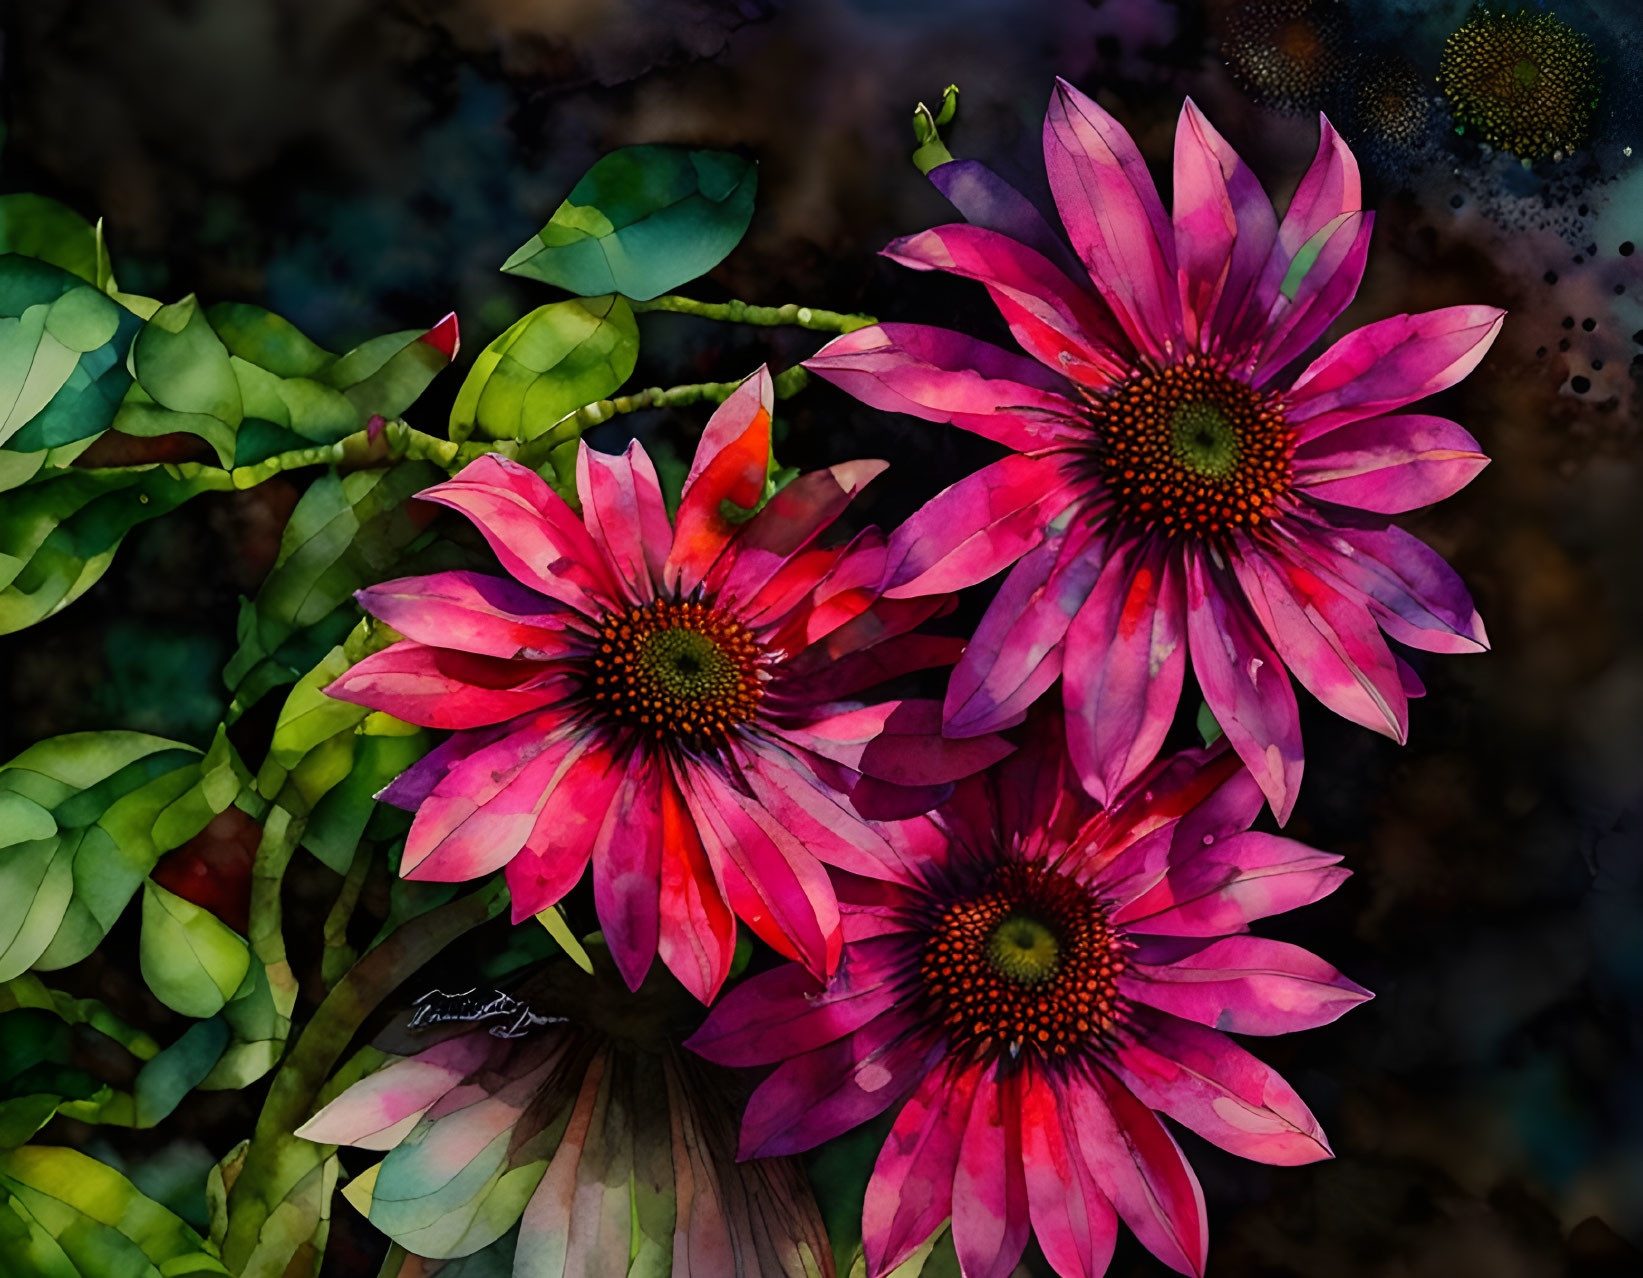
x=346, y=532
x=65, y=1215
x=1208, y=728
x=103, y=794
x=185, y=380
x=164, y=1081
x=191, y=960
x=553, y=919
x=222, y=778
x=549, y=363
x=58, y=533
x=265, y=339
x=63, y=347
x=387, y=374
x=257, y=1031
x=339, y=819
x=36, y=1073
x=641, y=221
x=38, y=227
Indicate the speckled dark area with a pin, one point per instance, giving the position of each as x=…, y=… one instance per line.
x=365, y=165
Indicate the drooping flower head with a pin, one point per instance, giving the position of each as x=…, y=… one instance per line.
x=682, y=702
x=611, y=1149
x=1035, y=991
x=1172, y=490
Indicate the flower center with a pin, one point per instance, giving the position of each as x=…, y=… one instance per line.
x=1522, y=81
x=1028, y=963
x=1023, y=950
x=677, y=671
x=1193, y=450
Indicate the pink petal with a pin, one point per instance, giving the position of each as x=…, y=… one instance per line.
x=943, y=376
x=627, y=869
x=1244, y=683
x=1245, y=985
x=1126, y=657
x=1323, y=279
x=792, y=894
x=697, y=930
x=817, y=814
x=374, y=1113
x=1417, y=597
x=1388, y=364
x=1056, y=322
x=911, y=1190
x=900, y=742
x=1325, y=201
x=1112, y=212
x=848, y=587
x=441, y=688
x=790, y=521
x=1072, y=1219
x=1206, y=1082
x=471, y=612
x=990, y=1215
x=786, y=1011
x=1224, y=228
x=566, y=832
x=1140, y=1169
x=825, y=1092
x=983, y=198
x=731, y=465
x=444, y=337
x=1389, y=464
x=538, y=538
x=486, y=808
x=623, y=509
x=1218, y=887
x=550, y=1216
x=410, y=788
x=1174, y=792
x=1017, y=651
x=1228, y=809
x=858, y=671
x=884, y=619
x=978, y=527
x=1328, y=641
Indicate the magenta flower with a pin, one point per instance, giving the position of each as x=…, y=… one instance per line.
x=682, y=704
x=1170, y=489
x=1038, y=984
x=610, y=1148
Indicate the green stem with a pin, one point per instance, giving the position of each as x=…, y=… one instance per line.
x=280, y=835
x=737, y=312
x=338, y=953
x=786, y=384
x=277, y=1159
x=397, y=441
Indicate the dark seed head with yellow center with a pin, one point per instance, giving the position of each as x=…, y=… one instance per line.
x=1025, y=963
x=676, y=672
x=1521, y=80
x=1192, y=450
x=1289, y=55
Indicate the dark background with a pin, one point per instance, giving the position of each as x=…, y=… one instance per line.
x=365, y=165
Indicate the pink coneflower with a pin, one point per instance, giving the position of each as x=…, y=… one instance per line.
x=612, y=1149
x=1034, y=988
x=684, y=703
x=1171, y=489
